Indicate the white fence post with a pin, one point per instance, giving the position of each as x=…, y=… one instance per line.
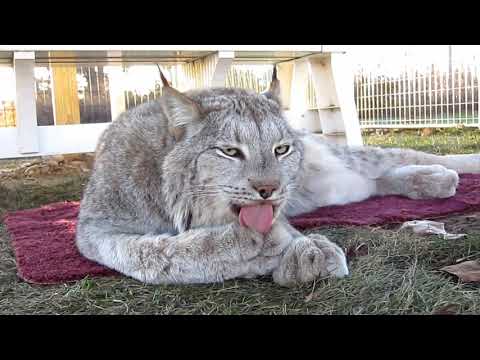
x=225, y=60
x=26, y=112
x=333, y=81
x=285, y=76
x=477, y=76
x=117, y=91
x=297, y=114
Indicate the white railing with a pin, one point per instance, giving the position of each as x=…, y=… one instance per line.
x=394, y=90
x=41, y=123
x=420, y=92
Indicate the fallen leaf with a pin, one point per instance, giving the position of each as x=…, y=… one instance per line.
x=468, y=271
x=450, y=309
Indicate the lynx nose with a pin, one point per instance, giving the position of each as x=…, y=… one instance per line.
x=265, y=189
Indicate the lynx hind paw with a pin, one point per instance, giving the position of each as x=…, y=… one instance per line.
x=310, y=258
x=433, y=181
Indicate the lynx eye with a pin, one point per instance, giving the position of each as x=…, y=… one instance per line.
x=232, y=152
x=282, y=149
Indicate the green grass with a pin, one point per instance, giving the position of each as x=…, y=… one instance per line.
x=443, y=141
x=399, y=274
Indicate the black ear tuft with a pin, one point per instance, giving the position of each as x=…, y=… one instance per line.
x=273, y=91
x=163, y=78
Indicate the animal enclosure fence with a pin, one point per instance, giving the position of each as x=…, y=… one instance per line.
x=256, y=78
x=442, y=94
x=66, y=97
x=393, y=92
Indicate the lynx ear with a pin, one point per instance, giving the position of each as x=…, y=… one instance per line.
x=273, y=91
x=179, y=108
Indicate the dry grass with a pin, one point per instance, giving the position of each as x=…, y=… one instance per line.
x=397, y=275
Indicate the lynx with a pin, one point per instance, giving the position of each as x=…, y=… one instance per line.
x=197, y=187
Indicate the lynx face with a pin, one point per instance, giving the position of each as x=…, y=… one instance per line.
x=243, y=157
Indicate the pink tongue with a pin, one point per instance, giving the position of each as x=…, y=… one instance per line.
x=258, y=217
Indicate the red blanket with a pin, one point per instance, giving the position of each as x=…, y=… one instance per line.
x=43, y=238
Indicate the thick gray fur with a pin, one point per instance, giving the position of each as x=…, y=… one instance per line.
x=160, y=203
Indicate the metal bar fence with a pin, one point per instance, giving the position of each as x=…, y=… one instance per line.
x=419, y=97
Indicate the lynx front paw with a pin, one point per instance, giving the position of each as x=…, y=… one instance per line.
x=433, y=181
x=308, y=258
x=249, y=243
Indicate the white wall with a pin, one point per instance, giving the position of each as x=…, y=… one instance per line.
x=59, y=139
x=306, y=120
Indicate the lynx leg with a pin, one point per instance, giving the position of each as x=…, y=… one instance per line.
x=203, y=255
x=419, y=182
